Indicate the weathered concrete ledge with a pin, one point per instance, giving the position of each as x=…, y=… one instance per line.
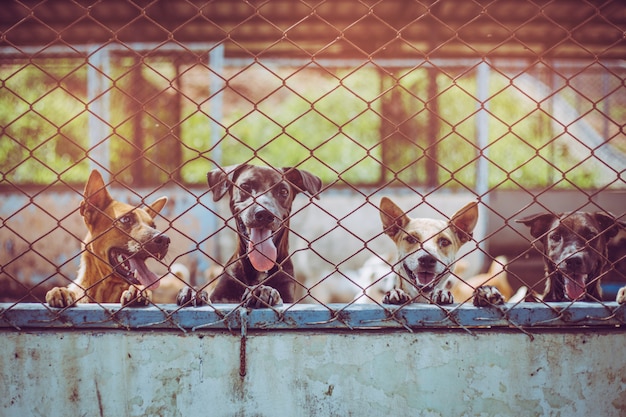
x=313, y=316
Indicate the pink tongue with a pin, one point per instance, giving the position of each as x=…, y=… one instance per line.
x=573, y=289
x=425, y=278
x=261, y=249
x=147, y=278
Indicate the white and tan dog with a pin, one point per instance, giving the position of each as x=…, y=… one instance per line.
x=427, y=250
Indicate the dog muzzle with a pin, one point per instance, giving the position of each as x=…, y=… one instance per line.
x=133, y=268
x=423, y=281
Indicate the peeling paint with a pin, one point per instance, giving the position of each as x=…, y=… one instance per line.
x=312, y=373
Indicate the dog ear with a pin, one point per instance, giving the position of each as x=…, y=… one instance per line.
x=154, y=208
x=96, y=195
x=392, y=216
x=608, y=224
x=303, y=180
x=539, y=223
x=221, y=179
x=464, y=221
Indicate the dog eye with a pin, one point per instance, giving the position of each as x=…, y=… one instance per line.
x=555, y=237
x=443, y=242
x=411, y=240
x=126, y=219
x=283, y=192
x=245, y=187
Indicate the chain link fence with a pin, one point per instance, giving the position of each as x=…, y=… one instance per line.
x=346, y=91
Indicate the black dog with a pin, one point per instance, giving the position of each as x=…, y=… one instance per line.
x=575, y=252
x=260, y=272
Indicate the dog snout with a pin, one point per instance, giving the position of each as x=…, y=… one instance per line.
x=263, y=216
x=158, y=244
x=427, y=261
x=574, y=262
x=162, y=240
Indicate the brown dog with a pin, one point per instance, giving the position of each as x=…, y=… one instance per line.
x=427, y=250
x=260, y=273
x=575, y=252
x=121, y=237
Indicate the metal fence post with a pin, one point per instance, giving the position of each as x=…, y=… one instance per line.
x=98, y=99
x=482, y=165
x=216, y=104
x=216, y=112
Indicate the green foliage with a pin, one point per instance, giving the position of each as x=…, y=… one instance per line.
x=334, y=124
x=334, y=135
x=43, y=119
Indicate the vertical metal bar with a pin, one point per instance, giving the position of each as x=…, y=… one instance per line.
x=381, y=130
x=216, y=113
x=216, y=103
x=432, y=153
x=243, y=314
x=176, y=160
x=550, y=105
x=482, y=141
x=99, y=109
x=605, y=105
x=136, y=154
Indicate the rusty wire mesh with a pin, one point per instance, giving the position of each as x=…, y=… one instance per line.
x=375, y=98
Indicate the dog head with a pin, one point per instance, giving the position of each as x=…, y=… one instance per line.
x=260, y=200
x=427, y=248
x=575, y=249
x=121, y=235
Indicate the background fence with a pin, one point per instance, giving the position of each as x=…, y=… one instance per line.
x=516, y=104
x=438, y=120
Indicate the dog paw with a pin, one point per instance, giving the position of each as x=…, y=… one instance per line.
x=60, y=297
x=396, y=296
x=487, y=296
x=136, y=296
x=187, y=296
x=261, y=297
x=441, y=297
x=621, y=296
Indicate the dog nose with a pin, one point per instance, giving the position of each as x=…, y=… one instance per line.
x=574, y=262
x=162, y=240
x=263, y=216
x=427, y=261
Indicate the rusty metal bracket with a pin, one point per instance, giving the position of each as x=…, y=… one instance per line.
x=243, y=315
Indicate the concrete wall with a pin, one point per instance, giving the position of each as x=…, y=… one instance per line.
x=315, y=373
